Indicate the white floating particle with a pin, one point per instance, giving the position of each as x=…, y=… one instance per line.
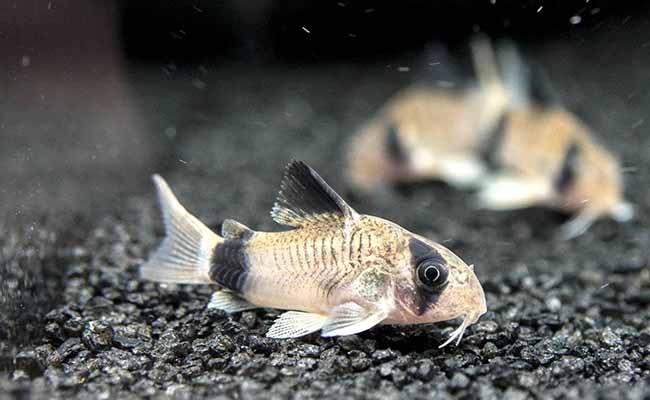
x=575, y=20
x=403, y=69
x=305, y=29
x=198, y=83
x=170, y=132
x=25, y=61
x=540, y=8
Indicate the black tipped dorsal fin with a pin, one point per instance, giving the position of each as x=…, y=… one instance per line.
x=305, y=197
x=231, y=229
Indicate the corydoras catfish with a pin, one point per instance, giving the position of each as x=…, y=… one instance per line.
x=336, y=270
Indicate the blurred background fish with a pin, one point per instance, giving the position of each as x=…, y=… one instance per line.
x=506, y=134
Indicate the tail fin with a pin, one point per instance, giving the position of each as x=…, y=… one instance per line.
x=185, y=253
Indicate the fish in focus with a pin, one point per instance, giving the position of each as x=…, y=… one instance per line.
x=508, y=137
x=337, y=271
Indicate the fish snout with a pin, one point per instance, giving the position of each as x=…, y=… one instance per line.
x=622, y=211
x=477, y=306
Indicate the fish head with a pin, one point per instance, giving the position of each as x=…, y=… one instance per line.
x=589, y=181
x=600, y=187
x=436, y=285
x=577, y=175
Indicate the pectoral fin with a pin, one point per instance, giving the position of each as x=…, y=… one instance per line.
x=351, y=318
x=293, y=324
x=229, y=302
x=577, y=225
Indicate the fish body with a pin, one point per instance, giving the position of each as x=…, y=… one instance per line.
x=337, y=271
x=548, y=156
x=423, y=134
x=507, y=137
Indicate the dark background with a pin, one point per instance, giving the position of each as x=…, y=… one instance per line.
x=95, y=96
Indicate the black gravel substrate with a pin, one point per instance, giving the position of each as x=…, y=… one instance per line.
x=566, y=319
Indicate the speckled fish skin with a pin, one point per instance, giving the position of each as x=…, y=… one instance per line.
x=341, y=272
x=517, y=151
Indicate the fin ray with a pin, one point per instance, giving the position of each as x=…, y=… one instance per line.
x=229, y=302
x=293, y=324
x=351, y=318
x=184, y=255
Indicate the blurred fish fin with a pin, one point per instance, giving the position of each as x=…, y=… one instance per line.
x=351, y=318
x=185, y=253
x=292, y=324
x=229, y=302
x=515, y=73
x=496, y=97
x=306, y=198
x=505, y=191
x=231, y=229
x=525, y=78
x=485, y=61
x=462, y=171
x=577, y=225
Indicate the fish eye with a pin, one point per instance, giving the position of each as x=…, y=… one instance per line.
x=432, y=275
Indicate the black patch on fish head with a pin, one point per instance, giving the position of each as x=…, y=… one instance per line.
x=568, y=173
x=230, y=265
x=430, y=273
x=394, y=147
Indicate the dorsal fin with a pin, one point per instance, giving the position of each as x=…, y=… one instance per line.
x=305, y=197
x=231, y=229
